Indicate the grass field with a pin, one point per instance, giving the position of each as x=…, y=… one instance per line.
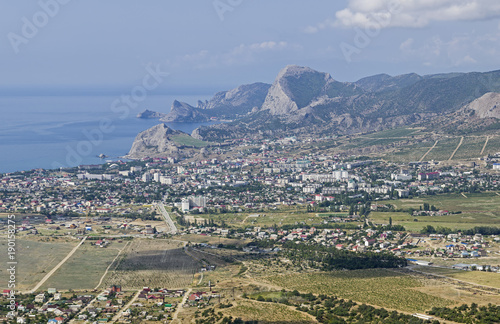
x=377, y=287
x=85, y=268
x=189, y=141
x=35, y=259
x=154, y=263
x=267, y=218
x=482, y=209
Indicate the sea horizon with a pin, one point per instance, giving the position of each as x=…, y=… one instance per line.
x=53, y=131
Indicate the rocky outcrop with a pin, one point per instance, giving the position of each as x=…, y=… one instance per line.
x=240, y=100
x=182, y=112
x=487, y=106
x=149, y=114
x=156, y=141
x=297, y=88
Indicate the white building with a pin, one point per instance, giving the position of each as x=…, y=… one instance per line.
x=198, y=201
x=185, y=205
x=146, y=177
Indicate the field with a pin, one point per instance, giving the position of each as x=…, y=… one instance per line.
x=154, y=263
x=471, y=148
x=189, y=141
x=477, y=277
x=377, y=287
x=477, y=210
x=411, y=152
x=249, y=310
x=267, y=218
x=85, y=268
x=443, y=150
x=35, y=258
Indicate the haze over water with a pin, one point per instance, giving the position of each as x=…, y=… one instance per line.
x=39, y=131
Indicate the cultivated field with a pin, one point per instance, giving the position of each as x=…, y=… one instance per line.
x=377, y=287
x=154, y=263
x=482, y=209
x=249, y=310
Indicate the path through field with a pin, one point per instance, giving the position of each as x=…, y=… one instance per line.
x=484, y=146
x=423, y=156
x=48, y=275
x=179, y=307
x=458, y=146
x=112, y=262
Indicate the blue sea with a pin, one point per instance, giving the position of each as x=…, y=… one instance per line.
x=66, y=131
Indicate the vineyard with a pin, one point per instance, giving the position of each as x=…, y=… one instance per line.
x=382, y=288
x=273, y=313
x=154, y=263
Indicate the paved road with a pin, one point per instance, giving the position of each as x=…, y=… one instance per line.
x=166, y=216
x=48, y=275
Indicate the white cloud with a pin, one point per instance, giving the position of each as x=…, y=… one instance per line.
x=411, y=13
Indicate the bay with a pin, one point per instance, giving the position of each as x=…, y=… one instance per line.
x=46, y=131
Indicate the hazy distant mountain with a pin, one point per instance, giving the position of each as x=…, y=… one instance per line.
x=382, y=82
x=226, y=105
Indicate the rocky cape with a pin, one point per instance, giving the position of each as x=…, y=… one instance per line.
x=225, y=105
x=160, y=141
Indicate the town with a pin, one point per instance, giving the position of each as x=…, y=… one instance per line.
x=247, y=207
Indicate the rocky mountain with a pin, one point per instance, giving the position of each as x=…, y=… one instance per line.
x=487, y=106
x=183, y=112
x=149, y=114
x=301, y=88
x=159, y=141
x=240, y=100
x=304, y=101
x=224, y=105
x=382, y=82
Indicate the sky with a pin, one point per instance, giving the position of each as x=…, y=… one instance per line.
x=210, y=45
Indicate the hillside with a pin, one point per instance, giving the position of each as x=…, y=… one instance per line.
x=305, y=101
